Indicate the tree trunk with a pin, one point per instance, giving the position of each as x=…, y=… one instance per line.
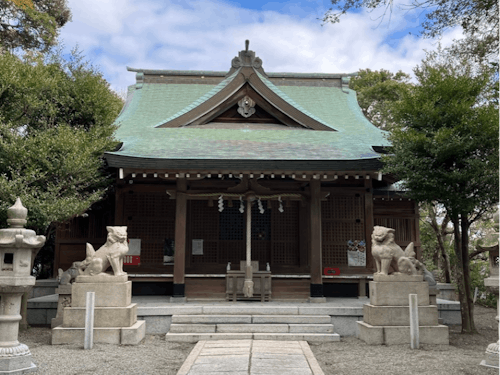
x=460, y=232
x=445, y=259
x=441, y=231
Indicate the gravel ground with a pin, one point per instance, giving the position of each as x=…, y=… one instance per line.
x=463, y=355
x=350, y=356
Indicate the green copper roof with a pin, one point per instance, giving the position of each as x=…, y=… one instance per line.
x=152, y=104
x=289, y=100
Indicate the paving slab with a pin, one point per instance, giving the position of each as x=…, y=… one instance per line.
x=251, y=357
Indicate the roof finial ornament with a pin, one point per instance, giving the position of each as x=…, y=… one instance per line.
x=246, y=58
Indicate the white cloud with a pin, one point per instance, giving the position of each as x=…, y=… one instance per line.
x=208, y=34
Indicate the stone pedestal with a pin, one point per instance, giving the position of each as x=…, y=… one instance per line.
x=386, y=319
x=492, y=285
x=115, y=317
x=64, y=292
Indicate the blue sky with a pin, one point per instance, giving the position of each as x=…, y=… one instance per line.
x=206, y=35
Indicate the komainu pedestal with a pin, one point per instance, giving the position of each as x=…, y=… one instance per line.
x=386, y=319
x=115, y=316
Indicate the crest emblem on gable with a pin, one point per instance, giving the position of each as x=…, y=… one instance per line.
x=246, y=107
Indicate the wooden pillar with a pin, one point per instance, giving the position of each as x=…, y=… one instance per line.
x=316, y=250
x=416, y=226
x=179, y=286
x=369, y=223
x=119, y=206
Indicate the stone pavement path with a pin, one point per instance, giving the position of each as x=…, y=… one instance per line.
x=249, y=357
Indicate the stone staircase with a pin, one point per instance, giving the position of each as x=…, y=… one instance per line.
x=251, y=322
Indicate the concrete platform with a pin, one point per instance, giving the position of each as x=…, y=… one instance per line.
x=252, y=357
x=157, y=311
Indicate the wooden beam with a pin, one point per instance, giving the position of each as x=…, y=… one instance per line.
x=180, y=239
x=316, y=246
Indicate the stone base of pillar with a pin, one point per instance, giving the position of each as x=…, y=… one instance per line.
x=179, y=290
x=317, y=291
x=16, y=360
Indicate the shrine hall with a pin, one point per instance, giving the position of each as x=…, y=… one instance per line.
x=245, y=185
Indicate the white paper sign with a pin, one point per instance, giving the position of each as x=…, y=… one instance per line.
x=356, y=253
x=197, y=247
x=134, y=246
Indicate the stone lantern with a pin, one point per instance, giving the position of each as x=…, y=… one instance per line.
x=492, y=283
x=17, y=245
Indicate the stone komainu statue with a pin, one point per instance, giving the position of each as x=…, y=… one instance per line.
x=111, y=253
x=388, y=254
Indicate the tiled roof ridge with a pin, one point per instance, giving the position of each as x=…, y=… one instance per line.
x=210, y=73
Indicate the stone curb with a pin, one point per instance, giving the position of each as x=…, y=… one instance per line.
x=189, y=362
x=311, y=359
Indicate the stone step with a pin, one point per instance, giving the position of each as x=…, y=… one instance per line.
x=195, y=337
x=255, y=319
x=251, y=328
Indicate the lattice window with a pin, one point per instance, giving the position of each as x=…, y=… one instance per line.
x=232, y=251
x=285, y=246
x=261, y=251
x=231, y=224
x=342, y=220
x=343, y=207
x=286, y=224
x=150, y=217
x=261, y=223
x=285, y=253
x=151, y=252
x=275, y=235
x=210, y=253
x=334, y=255
x=403, y=227
x=204, y=221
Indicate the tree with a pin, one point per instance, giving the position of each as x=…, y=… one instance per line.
x=437, y=221
x=478, y=18
x=376, y=91
x=57, y=123
x=446, y=151
x=31, y=24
